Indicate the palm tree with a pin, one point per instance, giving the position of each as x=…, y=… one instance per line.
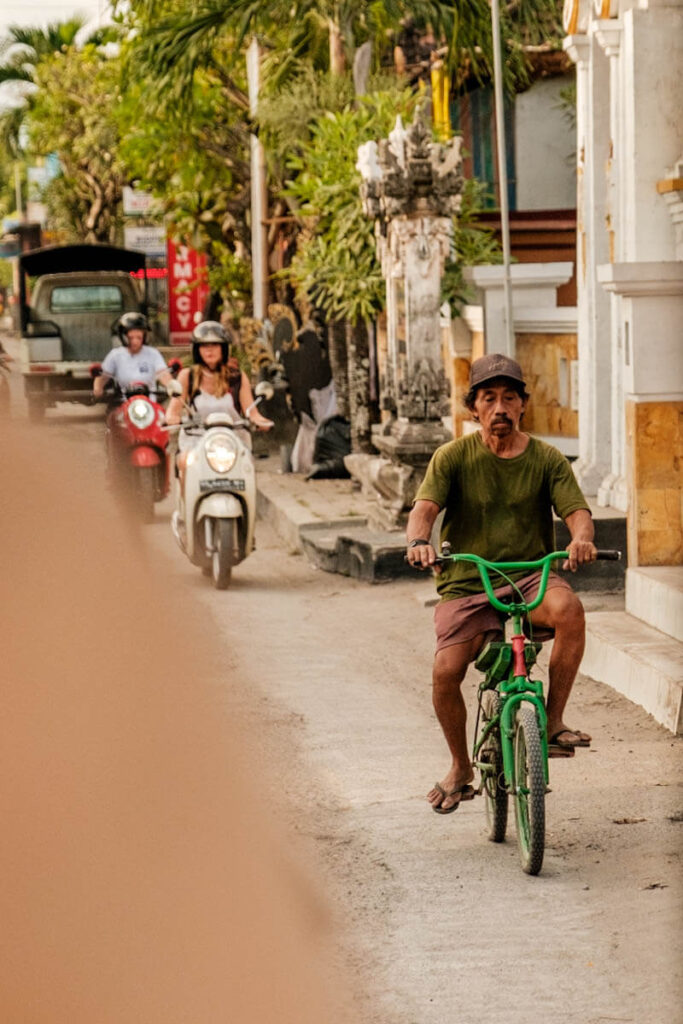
x=24, y=47
x=172, y=47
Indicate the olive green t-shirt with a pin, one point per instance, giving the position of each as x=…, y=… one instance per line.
x=500, y=509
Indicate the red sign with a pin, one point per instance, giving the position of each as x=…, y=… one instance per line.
x=188, y=290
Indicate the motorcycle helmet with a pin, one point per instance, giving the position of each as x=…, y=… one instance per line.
x=210, y=332
x=131, y=322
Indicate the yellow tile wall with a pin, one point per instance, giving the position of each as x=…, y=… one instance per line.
x=654, y=439
x=539, y=356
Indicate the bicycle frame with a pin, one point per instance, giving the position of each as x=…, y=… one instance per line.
x=517, y=686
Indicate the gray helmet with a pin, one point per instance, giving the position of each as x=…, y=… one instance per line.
x=131, y=322
x=210, y=332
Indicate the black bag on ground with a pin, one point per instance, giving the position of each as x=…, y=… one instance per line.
x=332, y=443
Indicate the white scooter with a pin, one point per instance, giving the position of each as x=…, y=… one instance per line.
x=214, y=523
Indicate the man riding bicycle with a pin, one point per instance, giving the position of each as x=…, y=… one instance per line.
x=498, y=487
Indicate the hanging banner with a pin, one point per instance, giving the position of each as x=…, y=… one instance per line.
x=188, y=290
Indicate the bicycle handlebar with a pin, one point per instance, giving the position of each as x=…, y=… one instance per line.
x=604, y=554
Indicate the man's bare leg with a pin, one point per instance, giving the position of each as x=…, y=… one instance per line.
x=450, y=666
x=562, y=611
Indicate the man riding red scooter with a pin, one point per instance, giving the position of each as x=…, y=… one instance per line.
x=136, y=435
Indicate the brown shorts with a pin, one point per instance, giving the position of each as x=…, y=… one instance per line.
x=462, y=618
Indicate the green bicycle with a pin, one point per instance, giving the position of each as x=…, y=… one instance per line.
x=511, y=741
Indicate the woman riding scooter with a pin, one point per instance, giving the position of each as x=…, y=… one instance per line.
x=209, y=386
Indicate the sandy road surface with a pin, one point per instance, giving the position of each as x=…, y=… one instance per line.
x=437, y=924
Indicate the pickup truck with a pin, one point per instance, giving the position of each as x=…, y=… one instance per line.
x=68, y=317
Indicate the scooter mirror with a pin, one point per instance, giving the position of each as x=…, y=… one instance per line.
x=95, y=370
x=174, y=389
x=264, y=389
x=175, y=366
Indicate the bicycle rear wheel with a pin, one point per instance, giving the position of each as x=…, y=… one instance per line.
x=495, y=793
x=529, y=790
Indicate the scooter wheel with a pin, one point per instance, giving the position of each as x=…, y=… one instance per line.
x=223, y=552
x=145, y=488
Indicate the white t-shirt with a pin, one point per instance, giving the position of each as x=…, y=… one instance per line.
x=126, y=368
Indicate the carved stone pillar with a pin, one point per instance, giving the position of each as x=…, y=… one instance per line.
x=412, y=188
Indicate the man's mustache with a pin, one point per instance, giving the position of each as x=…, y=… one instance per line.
x=501, y=419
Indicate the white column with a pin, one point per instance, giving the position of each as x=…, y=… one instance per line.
x=533, y=285
x=613, y=490
x=594, y=314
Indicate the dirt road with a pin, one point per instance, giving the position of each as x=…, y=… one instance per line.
x=437, y=924
x=442, y=925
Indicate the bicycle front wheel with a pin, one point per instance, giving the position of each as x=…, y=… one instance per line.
x=529, y=790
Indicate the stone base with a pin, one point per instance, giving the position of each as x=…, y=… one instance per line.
x=411, y=443
x=389, y=485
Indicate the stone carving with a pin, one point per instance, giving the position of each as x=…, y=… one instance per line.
x=408, y=173
x=411, y=187
x=424, y=395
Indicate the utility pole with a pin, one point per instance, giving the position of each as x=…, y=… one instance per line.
x=502, y=176
x=17, y=192
x=259, y=195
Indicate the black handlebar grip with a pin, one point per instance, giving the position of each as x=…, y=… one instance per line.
x=609, y=555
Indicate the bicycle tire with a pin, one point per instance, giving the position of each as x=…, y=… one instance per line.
x=495, y=793
x=529, y=790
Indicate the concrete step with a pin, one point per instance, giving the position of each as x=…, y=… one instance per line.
x=639, y=662
x=355, y=550
x=655, y=595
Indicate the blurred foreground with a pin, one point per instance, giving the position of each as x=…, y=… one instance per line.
x=140, y=882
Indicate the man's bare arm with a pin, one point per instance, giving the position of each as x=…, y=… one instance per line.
x=581, y=547
x=420, y=524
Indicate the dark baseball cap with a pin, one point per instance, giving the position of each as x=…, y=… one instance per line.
x=492, y=366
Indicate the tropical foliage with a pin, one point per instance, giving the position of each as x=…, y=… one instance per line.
x=169, y=110
x=72, y=115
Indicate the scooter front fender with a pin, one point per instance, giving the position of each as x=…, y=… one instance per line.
x=141, y=455
x=220, y=506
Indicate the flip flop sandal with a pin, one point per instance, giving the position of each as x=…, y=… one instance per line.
x=582, y=739
x=466, y=793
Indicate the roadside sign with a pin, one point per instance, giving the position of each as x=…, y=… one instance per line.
x=137, y=203
x=150, y=239
x=188, y=290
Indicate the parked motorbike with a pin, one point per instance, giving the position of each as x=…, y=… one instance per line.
x=214, y=523
x=136, y=441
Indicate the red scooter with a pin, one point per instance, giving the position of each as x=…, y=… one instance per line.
x=136, y=442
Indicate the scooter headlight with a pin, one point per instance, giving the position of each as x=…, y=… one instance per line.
x=221, y=452
x=141, y=413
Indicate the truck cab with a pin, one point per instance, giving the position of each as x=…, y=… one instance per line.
x=71, y=297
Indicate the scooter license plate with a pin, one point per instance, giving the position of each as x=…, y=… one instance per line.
x=221, y=485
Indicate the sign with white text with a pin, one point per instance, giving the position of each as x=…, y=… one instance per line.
x=151, y=240
x=188, y=290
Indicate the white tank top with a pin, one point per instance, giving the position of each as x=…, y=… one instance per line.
x=205, y=404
